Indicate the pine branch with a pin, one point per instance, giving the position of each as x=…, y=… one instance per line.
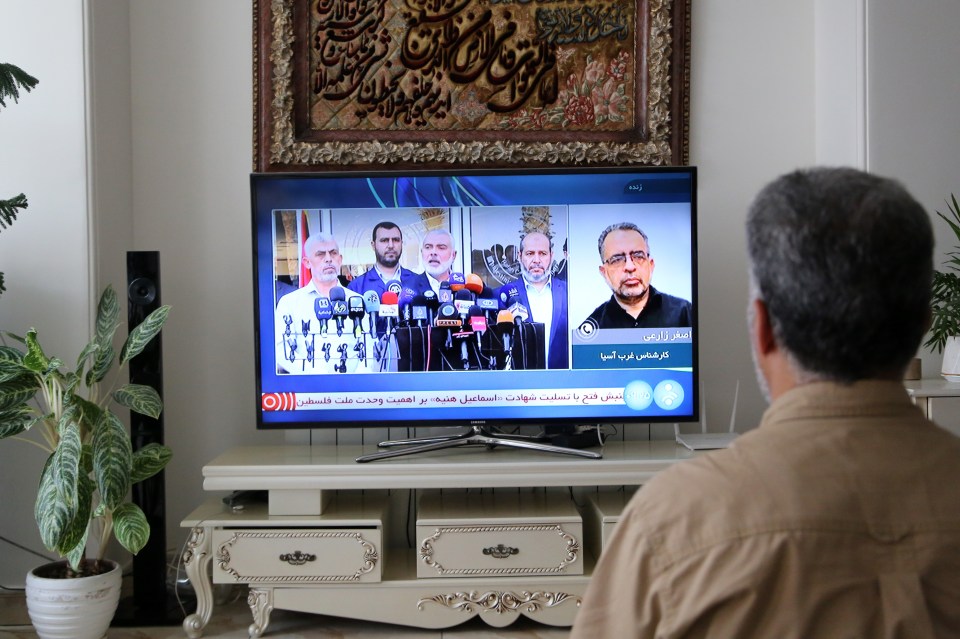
x=12, y=79
x=9, y=208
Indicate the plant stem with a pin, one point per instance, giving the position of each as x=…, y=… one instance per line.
x=46, y=449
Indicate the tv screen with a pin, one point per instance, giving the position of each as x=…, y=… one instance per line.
x=457, y=297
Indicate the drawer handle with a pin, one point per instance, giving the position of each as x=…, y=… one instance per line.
x=297, y=558
x=500, y=551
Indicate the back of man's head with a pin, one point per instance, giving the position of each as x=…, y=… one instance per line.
x=843, y=261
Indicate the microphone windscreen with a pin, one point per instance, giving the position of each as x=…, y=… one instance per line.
x=394, y=286
x=371, y=301
x=447, y=316
x=445, y=294
x=478, y=321
x=419, y=307
x=463, y=300
x=388, y=304
x=509, y=295
x=406, y=295
x=430, y=299
x=336, y=293
x=457, y=281
x=321, y=306
x=504, y=317
x=474, y=283
x=355, y=305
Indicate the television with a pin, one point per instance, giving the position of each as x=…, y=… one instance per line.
x=343, y=342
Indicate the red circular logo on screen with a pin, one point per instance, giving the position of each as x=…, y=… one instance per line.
x=278, y=401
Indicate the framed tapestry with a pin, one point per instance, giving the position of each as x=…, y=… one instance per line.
x=484, y=83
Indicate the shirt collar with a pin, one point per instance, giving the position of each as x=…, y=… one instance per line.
x=819, y=400
x=531, y=287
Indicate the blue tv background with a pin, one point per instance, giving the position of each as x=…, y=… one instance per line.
x=462, y=189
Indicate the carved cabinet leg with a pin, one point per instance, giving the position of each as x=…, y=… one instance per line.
x=196, y=560
x=261, y=605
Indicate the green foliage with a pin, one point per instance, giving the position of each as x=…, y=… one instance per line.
x=12, y=79
x=90, y=468
x=945, y=303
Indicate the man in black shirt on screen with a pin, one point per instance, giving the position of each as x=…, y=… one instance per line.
x=627, y=267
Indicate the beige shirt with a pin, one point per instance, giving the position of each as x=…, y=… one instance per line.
x=838, y=517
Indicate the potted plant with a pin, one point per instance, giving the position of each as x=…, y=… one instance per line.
x=85, y=482
x=945, y=302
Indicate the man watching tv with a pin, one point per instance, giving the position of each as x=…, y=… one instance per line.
x=840, y=515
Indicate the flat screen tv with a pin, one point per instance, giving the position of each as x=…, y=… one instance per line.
x=466, y=297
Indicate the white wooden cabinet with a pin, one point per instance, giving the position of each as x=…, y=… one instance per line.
x=320, y=543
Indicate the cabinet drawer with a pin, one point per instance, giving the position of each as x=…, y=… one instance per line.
x=297, y=556
x=529, y=537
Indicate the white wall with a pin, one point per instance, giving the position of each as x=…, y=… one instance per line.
x=913, y=86
x=45, y=254
x=755, y=114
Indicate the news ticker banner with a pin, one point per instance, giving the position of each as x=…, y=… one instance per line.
x=638, y=395
x=631, y=348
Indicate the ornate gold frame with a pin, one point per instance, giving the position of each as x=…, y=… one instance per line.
x=284, y=140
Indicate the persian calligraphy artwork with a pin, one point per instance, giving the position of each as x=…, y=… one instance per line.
x=477, y=82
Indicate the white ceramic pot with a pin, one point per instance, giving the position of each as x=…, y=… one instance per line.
x=79, y=608
x=950, y=368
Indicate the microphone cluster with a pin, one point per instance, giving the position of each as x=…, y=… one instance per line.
x=475, y=327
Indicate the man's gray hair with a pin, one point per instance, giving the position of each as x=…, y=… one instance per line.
x=620, y=226
x=319, y=238
x=843, y=261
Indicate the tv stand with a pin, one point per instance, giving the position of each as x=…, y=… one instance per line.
x=476, y=436
x=329, y=541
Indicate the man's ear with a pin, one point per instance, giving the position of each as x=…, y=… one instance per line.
x=762, y=330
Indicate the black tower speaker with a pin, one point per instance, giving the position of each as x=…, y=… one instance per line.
x=151, y=604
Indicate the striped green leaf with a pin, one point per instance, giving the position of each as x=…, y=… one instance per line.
x=101, y=365
x=108, y=316
x=112, y=459
x=90, y=413
x=72, y=543
x=17, y=391
x=76, y=555
x=148, y=461
x=131, y=527
x=88, y=351
x=15, y=421
x=52, y=514
x=10, y=354
x=65, y=467
x=139, y=398
x=11, y=364
x=141, y=335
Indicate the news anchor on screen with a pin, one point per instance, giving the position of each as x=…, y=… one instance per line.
x=314, y=330
x=537, y=296
x=626, y=265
